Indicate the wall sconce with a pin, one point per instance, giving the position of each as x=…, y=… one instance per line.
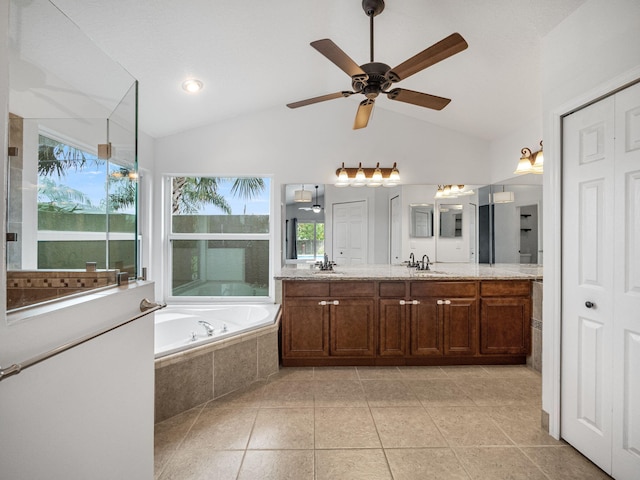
x=530, y=162
x=302, y=196
x=452, y=191
x=371, y=177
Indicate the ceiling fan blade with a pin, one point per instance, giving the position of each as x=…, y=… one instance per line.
x=418, y=98
x=437, y=52
x=364, y=112
x=321, y=98
x=337, y=56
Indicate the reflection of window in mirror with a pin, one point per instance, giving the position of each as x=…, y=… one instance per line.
x=450, y=220
x=309, y=241
x=421, y=224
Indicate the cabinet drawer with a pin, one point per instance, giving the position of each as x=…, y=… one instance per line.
x=352, y=289
x=306, y=289
x=392, y=289
x=428, y=288
x=505, y=288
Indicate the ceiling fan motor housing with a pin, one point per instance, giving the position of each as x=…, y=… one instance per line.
x=373, y=7
x=375, y=82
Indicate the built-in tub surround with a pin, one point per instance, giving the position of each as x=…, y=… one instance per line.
x=212, y=369
x=534, y=361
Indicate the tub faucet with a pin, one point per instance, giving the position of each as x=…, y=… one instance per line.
x=208, y=327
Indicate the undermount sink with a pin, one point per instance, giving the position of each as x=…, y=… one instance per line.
x=429, y=273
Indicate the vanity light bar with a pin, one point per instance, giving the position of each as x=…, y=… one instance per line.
x=371, y=177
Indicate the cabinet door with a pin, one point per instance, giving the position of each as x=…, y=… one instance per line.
x=352, y=327
x=392, y=325
x=505, y=325
x=460, y=332
x=305, y=328
x=425, y=334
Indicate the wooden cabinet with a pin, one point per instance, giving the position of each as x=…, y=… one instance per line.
x=320, y=321
x=505, y=317
x=443, y=318
x=416, y=322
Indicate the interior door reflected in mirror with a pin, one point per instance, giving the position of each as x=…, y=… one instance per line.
x=450, y=220
x=421, y=220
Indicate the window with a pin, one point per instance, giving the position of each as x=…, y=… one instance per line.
x=310, y=240
x=85, y=210
x=220, y=237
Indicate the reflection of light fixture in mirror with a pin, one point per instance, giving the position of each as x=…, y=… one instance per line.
x=452, y=191
x=343, y=177
x=192, y=85
x=316, y=208
x=302, y=196
x=373, y=177
x=530, y=162
x=503, y=197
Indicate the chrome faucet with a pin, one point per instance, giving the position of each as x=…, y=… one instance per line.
x=325, y=264
x=208, y=327
x=425, y=265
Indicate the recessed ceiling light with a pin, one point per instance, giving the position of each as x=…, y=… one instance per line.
x=192, y=86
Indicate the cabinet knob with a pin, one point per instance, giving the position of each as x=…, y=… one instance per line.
x=322, y=303
x=336, y=302
x=440, y=302
x=415, y=302
x=447, y=302
x=402, y=302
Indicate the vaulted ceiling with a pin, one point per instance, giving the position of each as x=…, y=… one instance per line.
x=256, y=56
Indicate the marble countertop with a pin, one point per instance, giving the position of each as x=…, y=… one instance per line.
x=439, y=271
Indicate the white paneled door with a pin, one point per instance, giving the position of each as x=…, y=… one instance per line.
x=350, y=233
x=600, y=392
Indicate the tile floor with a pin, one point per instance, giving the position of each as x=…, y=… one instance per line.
x=371, y=423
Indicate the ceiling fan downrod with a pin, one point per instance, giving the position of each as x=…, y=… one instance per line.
x=372, y=8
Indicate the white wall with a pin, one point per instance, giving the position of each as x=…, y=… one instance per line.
x=591, y=53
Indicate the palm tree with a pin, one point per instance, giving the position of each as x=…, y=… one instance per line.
x=189, y=194
x=53, y=197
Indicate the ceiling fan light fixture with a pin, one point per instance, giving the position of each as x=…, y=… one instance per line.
x=192, y=85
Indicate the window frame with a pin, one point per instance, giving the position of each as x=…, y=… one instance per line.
x=170, y=236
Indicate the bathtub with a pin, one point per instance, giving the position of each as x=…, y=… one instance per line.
x=192, y=368
x=177, y=328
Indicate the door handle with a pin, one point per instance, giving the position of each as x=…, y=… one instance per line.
x=589, y=304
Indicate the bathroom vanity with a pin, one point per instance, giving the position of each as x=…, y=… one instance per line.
x=459, y=314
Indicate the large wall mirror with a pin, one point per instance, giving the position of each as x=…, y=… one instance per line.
x=421, y=220
x=386, y=225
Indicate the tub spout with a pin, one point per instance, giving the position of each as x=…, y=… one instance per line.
x=208, y=327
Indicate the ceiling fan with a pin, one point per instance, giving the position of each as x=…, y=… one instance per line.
x=374, y=78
